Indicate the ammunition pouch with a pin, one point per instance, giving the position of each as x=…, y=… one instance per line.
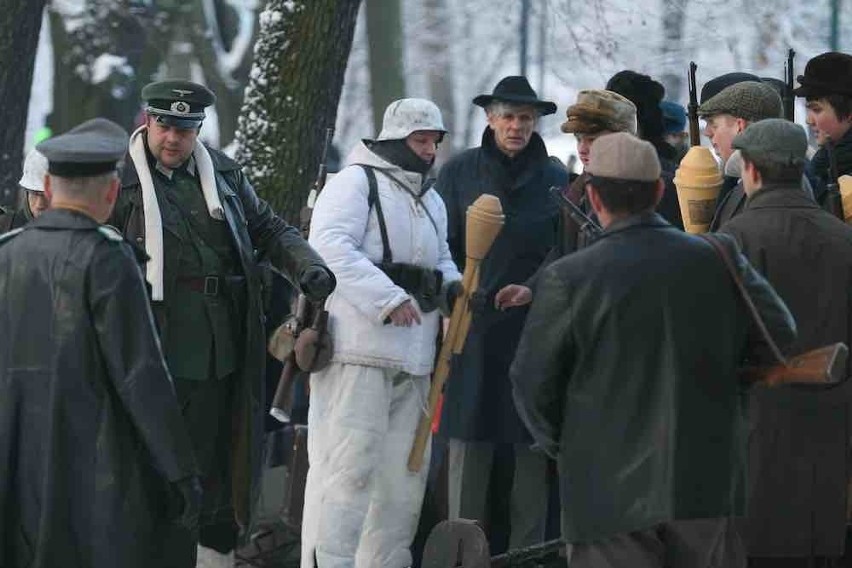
x=422, y=283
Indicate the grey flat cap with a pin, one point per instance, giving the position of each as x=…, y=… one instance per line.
x=92, y=148
x=775, y=140
x=623, y=156
x=750, y=100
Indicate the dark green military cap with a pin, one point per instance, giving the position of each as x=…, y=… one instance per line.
x=177, y=103
x=775, y=140
x=92, y=148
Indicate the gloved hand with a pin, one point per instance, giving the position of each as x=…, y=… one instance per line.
x=317, y=282
x=186, y=496
x=451, y=293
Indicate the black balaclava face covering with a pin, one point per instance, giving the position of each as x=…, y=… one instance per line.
x=399, y=154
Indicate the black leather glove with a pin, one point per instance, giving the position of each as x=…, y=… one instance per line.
x=187, y=502
x=454, y=290
x=317, y=282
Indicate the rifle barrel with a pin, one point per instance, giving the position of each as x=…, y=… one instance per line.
x=585, y=222
x=694, y=132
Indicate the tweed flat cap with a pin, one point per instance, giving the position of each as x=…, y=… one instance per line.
x=717, y=84
x=597, y=110
x=775, y=140
x=94, y=147
x=750, y=100
x=623, y=156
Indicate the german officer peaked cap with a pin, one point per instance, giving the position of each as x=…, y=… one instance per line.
x=177, y=103
x=92, y=148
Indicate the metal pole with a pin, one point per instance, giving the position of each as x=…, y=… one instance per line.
x=542, y=49
x=835, y=25
x=525, y=19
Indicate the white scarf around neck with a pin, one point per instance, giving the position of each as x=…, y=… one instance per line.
x=151, y=208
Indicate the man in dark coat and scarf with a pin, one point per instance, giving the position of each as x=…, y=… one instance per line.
x=478, y=414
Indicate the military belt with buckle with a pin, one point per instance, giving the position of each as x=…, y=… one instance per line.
x=210, y=285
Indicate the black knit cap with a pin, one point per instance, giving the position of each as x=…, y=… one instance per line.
x=646, y=94
x=827, y=74
x=515, y=89
x=718, y=84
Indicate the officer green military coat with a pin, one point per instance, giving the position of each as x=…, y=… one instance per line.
x=257, y=233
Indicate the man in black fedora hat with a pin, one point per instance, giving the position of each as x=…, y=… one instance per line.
x=511, y=163
x=827, y=88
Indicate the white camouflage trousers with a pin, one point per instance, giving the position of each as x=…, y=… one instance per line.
x=362, y=505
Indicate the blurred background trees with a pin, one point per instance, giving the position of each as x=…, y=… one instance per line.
x=95, y=55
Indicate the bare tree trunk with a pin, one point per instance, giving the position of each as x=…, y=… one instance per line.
x=674, y=19
x=102, y=61
x=20, y=23
x=210, y=32
x=437, y=54
x=384, y=37
x=292, y=96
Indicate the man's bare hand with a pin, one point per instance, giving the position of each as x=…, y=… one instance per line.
x=405, y=315
x=512, y=296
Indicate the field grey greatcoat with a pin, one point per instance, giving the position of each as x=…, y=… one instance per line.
x=478, y=398
x=253, y=226
x=90, y=430
x=799, y=444
x=626, y=373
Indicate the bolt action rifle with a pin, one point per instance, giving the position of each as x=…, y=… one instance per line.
x=319, y=183
x=823, y=366
x=305, y=313
x=588, y=226
x=789, y=100
x=692, y=108
x=833, y=200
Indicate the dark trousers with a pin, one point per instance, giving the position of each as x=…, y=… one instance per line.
x=207, y=408
x=694, y=543
x=814, y=562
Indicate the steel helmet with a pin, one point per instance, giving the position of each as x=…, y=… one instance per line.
x=404, y=116
x=35, y=168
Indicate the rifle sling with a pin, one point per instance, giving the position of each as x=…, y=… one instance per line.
x=755, y=315
x=373, y=200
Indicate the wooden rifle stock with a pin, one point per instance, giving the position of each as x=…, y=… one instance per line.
x=282, y=402
x=826, y=365
x=692, y=110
